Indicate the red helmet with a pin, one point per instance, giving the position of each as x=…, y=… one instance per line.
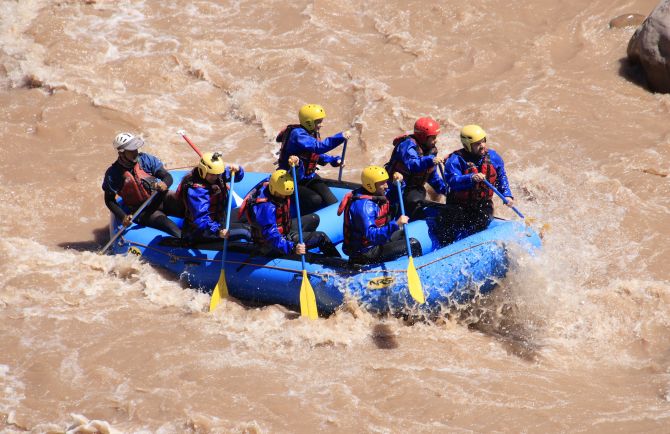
x=425, y=127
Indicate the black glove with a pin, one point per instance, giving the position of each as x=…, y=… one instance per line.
x=150, y=183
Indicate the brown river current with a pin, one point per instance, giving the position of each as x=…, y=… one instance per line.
x=575, y=340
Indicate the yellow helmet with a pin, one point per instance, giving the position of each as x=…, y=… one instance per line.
x=471, y=134
x=211, y=162
x=310, y=113
x=281, y=183
x=372, y=175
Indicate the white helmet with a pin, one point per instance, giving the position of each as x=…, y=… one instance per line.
x=127, y=142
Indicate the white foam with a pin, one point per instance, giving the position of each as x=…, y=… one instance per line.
x=12, y=390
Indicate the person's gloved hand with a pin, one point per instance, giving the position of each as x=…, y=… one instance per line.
x=347, y=134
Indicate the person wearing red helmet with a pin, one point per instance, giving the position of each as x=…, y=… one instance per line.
x=415, y=157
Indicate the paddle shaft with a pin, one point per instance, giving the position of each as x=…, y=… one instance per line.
x=221, y=288
x=307, y=297
x=297, y=209
x=504, y=199
x=441, y=169
x=228, y=208
x=344, y=151
x=191, y=144
x=413, y=281
x=137, y=213
x=402, y=211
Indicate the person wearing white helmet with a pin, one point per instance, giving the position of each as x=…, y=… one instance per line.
x=469, y=206
x=133, y=177
x=204, y=195
x=267, y=208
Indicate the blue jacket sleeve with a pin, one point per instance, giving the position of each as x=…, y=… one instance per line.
x=502, y=183
x=150, y=164
x=364, y=216
x=301, y=141
x=238, y=176
x=113, y=181
x=453, y=171
x=198, y=205
x=266, y=218
x=436, y=181
x=412, y=159
x=328, y=159
x=393, y=198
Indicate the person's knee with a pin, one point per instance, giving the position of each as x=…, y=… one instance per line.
x=307, y=195
x=415, y=245
x=329, y=199
x=163, y=223
x=315, y=201
x=310, y=221
x=240, y=232
x=310, y=204
x=325, y=238
x=326, y=246
x=172, y=205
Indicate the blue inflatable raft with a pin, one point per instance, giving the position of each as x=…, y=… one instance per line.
x=452, y=273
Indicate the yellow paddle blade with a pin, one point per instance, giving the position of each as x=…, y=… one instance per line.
x=544, y=229
x=415, y=288
x=307, y=298
x=220, y=291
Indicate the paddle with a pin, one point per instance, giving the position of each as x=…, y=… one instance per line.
x=528, y=220
x=182, y=133
x=221, y=289
x=344, y=151
x=444, y=178
x=413, y=281
x=504, y=199
x=307, y=297
x=134, y=216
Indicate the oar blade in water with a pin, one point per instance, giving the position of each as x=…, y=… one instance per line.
x=414, y=283
x=307, y=298
x=220, y=291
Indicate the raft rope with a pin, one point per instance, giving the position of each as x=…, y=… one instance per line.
x=320, y=275
x=323, y=276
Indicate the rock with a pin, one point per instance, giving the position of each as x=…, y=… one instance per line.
x=626, y=20
x=650, y=47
